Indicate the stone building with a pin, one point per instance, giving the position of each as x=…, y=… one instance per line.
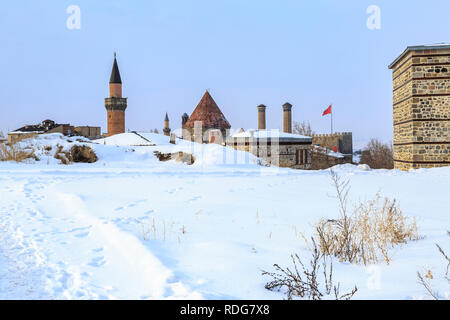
x=282, y=149
x=50, y=126
x=332, y=149
x=324, y=158
x=46, y=126
x=421, y=96
x=88, y=132
x=206, y=117
x=274, y=147
x=115, y=104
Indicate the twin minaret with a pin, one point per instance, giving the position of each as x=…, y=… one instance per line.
x=287, y=117
x=115, y=104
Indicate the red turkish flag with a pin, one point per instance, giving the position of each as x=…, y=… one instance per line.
x=335, y=149
x=327, y=111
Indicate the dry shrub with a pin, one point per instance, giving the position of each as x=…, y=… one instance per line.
x=64, y=156
x=374, y=227
x=305, y=283
x=366, y=235
x=83, y=154
x=12, y=152
x=426, y=280
x=303, y=128
x=180, y=156
x=378, y=155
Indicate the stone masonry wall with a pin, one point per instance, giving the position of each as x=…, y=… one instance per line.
x=343, y=140
x=281, y=155
x=421, y=92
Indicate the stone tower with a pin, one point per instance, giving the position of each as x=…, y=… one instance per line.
x=287, y=117
x=261, y=117
x=421, y=86
x=115, y=104
x=166, y=129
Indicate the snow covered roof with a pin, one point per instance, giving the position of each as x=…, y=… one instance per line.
x=268, y=134
x=24, y=132
x=420, y=48
x=126, y=139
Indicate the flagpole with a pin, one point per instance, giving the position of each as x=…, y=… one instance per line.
x=331, y=118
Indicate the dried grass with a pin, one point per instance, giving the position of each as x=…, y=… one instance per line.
x=64, y=156
x=303, y=281
x=12, y=152
x=366, y=235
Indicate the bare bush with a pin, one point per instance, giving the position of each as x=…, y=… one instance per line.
x=12, y=152
x=304, y=283
x=366, y=235
x=303, y=128
x=378, y=155
x=425, y=281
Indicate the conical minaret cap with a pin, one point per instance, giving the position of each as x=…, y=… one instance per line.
x=115, y=74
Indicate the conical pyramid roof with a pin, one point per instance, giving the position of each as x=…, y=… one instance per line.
x=209, y=113
x=115, y=74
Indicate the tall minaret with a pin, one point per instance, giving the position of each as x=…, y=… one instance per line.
x=115, y=104
x=166, y=129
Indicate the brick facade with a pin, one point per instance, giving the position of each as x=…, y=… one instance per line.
x=115, y=115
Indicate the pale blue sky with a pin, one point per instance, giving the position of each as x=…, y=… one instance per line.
x=310, y=53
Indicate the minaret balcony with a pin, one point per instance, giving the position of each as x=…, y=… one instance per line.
x=116, y=104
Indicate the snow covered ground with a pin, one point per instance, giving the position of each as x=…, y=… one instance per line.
x=131, y=227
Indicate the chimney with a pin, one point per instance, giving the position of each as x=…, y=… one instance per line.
x=261, y=117
x=287, y=117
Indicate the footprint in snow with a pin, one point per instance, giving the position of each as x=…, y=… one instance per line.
x=194, y=198
x=82, y=235
x=79, y=229
x=97, y=262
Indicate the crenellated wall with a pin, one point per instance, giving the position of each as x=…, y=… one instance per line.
x=343, y=140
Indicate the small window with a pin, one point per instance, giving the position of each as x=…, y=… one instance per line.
x=302, y=156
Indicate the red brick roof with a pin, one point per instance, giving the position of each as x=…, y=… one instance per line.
x=209, y=113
